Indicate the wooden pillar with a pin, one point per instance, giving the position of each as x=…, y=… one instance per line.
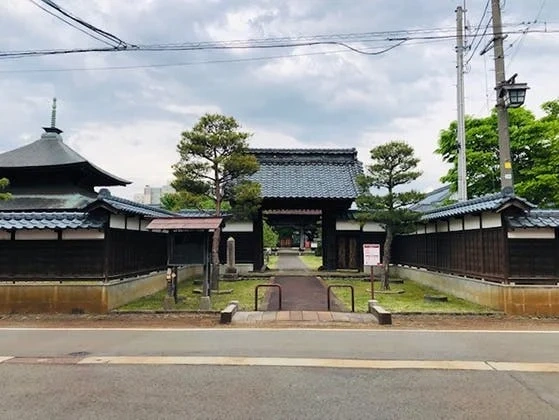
x=258, y=236
x=505, y=248
x=329, y=255
x=107, y=240
x=360, y=256
x=481, y=245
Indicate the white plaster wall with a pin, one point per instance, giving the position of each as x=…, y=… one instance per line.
x=144, y=224
x=471, y=222
x=117, y=221
x=133, y=223
x=490, y=220
x=82, y=234
x=431, y=228
x=238, y=227
x=373, y=227
x=35, y=235
x=533, y=233
x=420, y=229
x=5, y=236
x=442, y=226
x=345, y=225
x=455, y=225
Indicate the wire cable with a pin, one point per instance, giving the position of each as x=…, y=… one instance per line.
x=80, y=21
x=71, y=24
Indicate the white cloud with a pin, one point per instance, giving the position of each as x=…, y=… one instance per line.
x=129, y=121
x=139, y=151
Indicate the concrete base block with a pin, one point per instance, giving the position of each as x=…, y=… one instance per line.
x=228, y=313
x=168, y=303
x=382, y=315
x=205, y=303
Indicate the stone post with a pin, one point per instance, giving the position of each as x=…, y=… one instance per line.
x=231, y=270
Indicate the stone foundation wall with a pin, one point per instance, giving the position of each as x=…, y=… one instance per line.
x=83, y=297
x=510, y=298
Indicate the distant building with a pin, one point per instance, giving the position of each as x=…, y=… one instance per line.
x=436, y=198
x=152, y=195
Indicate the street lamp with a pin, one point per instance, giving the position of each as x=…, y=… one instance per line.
x=512, y=94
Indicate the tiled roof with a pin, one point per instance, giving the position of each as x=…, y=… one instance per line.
x=307, y=173
x=536, y=219
x=433, y=199
x=492, y=202
x=51, y=151
x=44, y=201
x=48, y=220
x=132, y=207
x=185, y=223
x=198, y=213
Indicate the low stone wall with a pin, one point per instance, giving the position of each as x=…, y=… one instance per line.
x=510, y=298
x=83, y=297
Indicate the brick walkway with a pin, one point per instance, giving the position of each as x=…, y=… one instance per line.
x=297, y=316
x=301, y=293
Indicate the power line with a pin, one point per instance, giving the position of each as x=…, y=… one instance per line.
x=71, y=24
x=480, y=24
x=474, y=50
x=80, y=21
x=250, y=44
x=523, y=36
x=194, y=63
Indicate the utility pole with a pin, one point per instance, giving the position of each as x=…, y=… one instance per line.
x=461, y=127
x=505, y=162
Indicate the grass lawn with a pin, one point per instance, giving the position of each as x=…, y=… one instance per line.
x=311, y=261
x=409, y=301
x=243, y=291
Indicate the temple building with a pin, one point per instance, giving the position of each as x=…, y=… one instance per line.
x=57, y=226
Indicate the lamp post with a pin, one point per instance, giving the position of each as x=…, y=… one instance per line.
x=509, y=95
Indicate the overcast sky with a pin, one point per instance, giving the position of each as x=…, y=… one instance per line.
x=128, y=121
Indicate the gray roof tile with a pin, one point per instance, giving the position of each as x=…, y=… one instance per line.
x=132, y=207
x=307, y=173
x=48, y=220
x=536, y=219
x=50, y=150
x=491, y=202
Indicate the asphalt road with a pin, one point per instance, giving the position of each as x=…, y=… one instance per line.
x=320, y=343
x=42, y=384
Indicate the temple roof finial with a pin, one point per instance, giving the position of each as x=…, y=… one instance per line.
x=52, y=128
x=53, y=116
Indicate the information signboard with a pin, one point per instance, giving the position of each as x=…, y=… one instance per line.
x=371, y=254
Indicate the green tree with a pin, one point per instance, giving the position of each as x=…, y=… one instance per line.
x=214, y=156
x=534, y=152
x=271, y=237
x=4, y=183
x=393, y=164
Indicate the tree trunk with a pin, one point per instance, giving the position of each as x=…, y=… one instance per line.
x=215, y=259
x=386, y=259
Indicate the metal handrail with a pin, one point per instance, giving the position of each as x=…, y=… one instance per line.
x=342, y=285
x=266, y=285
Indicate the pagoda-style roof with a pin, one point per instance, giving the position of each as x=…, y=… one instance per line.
x=50, y=155
x=307, y=173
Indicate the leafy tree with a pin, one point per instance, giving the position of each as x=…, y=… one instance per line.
x=393, y=164
x=4, y=183
x=534, y=147
x=271, y=237
x=183, y=200
x=213, y=156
